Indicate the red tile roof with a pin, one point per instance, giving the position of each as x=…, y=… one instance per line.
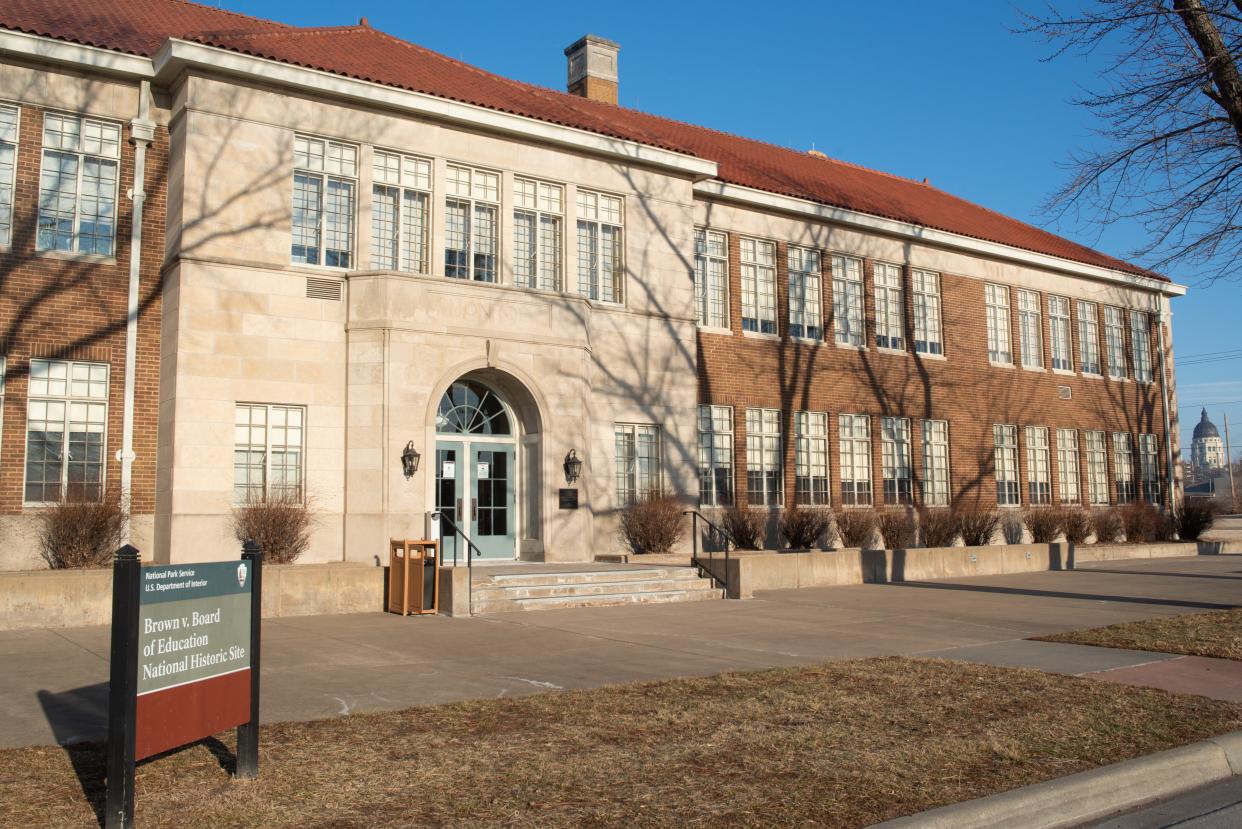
x=141, y=26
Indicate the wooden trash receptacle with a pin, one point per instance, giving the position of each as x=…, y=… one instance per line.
x=413, y=577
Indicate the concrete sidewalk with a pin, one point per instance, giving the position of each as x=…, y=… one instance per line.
x=53, y=688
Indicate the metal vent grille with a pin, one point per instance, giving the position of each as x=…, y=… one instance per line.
x=1065, y=393
x=323, y=289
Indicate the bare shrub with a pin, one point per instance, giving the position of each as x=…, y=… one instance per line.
x=1076, y=524
x=746, y=526
x=1107, y=525
x=1143, y=523
x=1044, y=524
x=805, y=528
x=1012, y=527
x=898, y=528
x=1193, y=519
x=857, y=527
x=279, y=523
x=937, y=527
x=977, y=526
x=80, y=532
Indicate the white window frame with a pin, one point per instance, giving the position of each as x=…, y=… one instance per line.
x=716, y=479
x=406, y=179
x=896, y=460
x=936, y=487
x=890, y=310
x=854, y=450
x=601, y=219
x=1140, y=342
x=806, y=297
x=711, y=277
x=996, y=302
x=1089, y=338
x=106, y=143
x=812, y=478
x=538, y=256
x=639, y=448
x=80, y=389
x=928, y=335
x=1030, y=329
x=1115, y=342
x=1149, y=469
x=765, y=458
x=472, y=251
x=757, y=264
x=10, y=133
x=335, y=165
x=1007, y=473
x=1123, y=468
x=1068, y=475
x=1038, y=466
x=270, y=448
x=849, y=322
x=1095, y=444
x=1059, y=330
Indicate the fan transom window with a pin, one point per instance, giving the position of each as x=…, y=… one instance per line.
x=471, y=409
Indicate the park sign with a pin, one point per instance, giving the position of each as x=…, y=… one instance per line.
x=185, y=663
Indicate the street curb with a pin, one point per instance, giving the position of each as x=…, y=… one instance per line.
x=1090, y=795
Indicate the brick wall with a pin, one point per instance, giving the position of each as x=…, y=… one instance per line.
x=58, y=307
x=745, y=370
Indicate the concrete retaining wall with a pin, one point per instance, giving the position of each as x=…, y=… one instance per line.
x=751, y=570
x=71, y=598
x=1112, y=552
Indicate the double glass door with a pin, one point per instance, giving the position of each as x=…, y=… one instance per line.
x=474, y=489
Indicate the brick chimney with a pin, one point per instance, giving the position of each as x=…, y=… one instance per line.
x=593, y=68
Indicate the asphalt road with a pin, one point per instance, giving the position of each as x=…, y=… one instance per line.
x=1214, y=807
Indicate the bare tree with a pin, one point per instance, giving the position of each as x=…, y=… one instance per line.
x=1171, y=104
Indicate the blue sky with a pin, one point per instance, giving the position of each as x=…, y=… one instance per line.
x=939, y=90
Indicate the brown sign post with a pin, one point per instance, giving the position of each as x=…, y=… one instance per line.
x=185, y=664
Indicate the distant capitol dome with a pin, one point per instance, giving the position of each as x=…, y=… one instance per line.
x=1205, y=428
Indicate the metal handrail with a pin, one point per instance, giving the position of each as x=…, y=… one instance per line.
x=709, y=568
x=436, y=515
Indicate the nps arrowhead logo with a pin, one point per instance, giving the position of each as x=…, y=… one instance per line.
x=241, y=574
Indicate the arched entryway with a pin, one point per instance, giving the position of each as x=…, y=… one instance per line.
x=486, y=455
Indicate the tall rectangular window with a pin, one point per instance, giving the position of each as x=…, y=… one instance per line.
x=1149, y=469
x=1089, y=337
x=1030, y=330
x=1123, y=467
x=638, y=462
x=66, y=424
x=805, y=294
x=936, y=463
x=78, y=184
x=847, y=301
x=758, y=266
x=268, y=452
x=895, y=458
x=1141, y=342
x=1059, y=327
x=1115, y=342
x=1005, y=438
x=1067, y=466
x=601, y=239
x=538, y=216
x=927, y=336
x=715, y=456
x=765, y=468
x=471, y=224
x=889, y=307
x=8, y=170
x=1038, y=470
x=324, y=183
x=711, y=277
x=811, y=458
x=400, y=212
x=996, y=298
x=1097, y=468
x=855, y=439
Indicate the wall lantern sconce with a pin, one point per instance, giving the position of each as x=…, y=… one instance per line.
x=409, y=460
x=573, y=467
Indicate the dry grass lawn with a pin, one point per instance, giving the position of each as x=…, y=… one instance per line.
x=1218, y=633
x=842, y=744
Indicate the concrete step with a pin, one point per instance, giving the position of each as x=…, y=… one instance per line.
x=581, y=576
x=488, y=592
x=559, y=602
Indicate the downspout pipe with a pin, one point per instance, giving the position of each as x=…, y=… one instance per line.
x=141, y=134
x=1164, y=394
